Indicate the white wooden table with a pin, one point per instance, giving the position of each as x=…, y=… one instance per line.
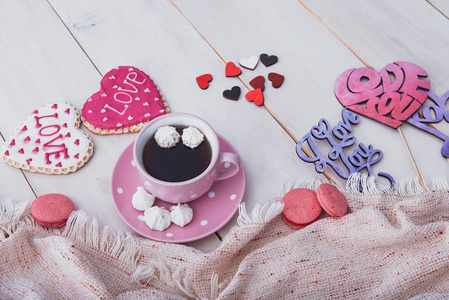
x=58, y=50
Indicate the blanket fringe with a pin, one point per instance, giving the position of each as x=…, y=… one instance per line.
x=120, y=245
x=80, y=228
x=362, y=184
x=260, y=214
x=145, y=274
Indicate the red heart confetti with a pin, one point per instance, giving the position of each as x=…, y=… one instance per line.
x=127, y=100
x=255, y=96
x=231, y=70
x=42, y=144
x=276, y=79
x=390, y=96
x=258, y=83
x=203, y=81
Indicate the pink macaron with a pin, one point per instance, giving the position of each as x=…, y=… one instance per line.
x=51, y=210
x=332, y=200
x=301, y=206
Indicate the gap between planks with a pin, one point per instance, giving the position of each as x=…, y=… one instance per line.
x=421, y=181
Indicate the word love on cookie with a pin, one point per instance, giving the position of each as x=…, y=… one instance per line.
x=338, y=138
x=431, y=114
x=127, y=100
x=390, y=96
x=49, y=141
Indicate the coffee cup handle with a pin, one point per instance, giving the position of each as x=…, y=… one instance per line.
x=229, y=157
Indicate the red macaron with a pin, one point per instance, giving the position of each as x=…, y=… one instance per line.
x=332, y=200
x=301, y=206
x=51, y=210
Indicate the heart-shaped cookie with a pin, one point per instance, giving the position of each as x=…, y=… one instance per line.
x=49, y=141
x=390, y=96
x=232, y=94
x=276, y=79
x=255, y=96
x=203, y=81
x=258, y=82
x=249, y=63
x=127, y=100
x=231, y=70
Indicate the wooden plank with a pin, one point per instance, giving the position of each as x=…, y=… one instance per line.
x=310, y=57
x=410, y=36
x=165, y=46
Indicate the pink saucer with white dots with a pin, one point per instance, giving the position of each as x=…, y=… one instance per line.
x=210, y=212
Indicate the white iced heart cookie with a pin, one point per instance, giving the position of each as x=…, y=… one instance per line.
x=49, y=141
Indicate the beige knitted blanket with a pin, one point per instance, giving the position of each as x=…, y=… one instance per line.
x=394, y=244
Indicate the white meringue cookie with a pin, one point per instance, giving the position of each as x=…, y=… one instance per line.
x=166, y=136
x=192, y=137
x=142, y=200
x=157, y=218
x=181, y=214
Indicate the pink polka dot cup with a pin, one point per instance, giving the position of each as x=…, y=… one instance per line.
x=174, y=191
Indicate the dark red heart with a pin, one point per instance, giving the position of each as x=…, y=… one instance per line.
x=268, y=60
x=276, y=79
x=232, y=70
x=232, y=94
x=258, y=83
x=390, y=96
x=255, y=96
x=203, y=81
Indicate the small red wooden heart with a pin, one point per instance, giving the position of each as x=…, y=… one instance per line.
x=390, y=96
x=203, y=81
x=232, y=70
x=255, y=96
x=276, y=79
x=258, y=83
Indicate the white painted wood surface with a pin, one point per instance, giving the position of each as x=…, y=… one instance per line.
x=59, y=50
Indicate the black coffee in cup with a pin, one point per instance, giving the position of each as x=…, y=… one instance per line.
x=178, y=163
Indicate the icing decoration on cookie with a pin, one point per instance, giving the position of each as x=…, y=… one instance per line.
x=268, y=60
x=276, y=79
x=232, y=94
x=431, y=114
x=49, y=141
x=258, y=83
x=390, y=96
x=338, y=140
x=255, y=96
x=249, y=63
x=203, y=81
x=231, y=70
x=127, y=100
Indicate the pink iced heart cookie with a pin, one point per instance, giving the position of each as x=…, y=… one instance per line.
x=49, y=141
x=127, y=100
x=390, y=96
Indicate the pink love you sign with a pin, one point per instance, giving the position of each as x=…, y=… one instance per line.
x=127, y=100
x=390, y=96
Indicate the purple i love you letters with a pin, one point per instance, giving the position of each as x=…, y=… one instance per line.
x=433, y=113
x=338, y=139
